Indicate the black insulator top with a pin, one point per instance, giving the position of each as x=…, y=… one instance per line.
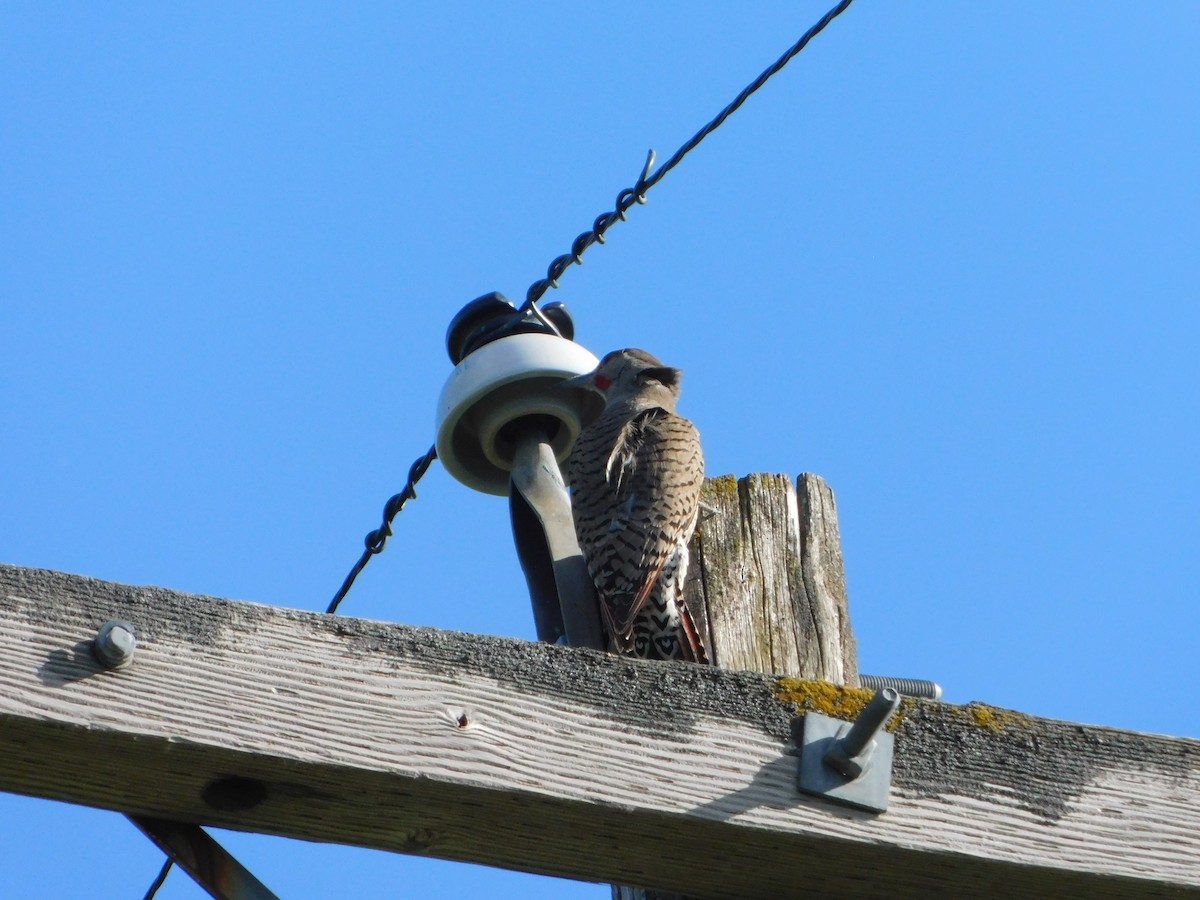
x=493, y=316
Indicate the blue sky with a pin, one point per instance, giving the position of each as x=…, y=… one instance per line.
x=947, y=259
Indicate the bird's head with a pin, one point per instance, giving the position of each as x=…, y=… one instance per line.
x=630, y=373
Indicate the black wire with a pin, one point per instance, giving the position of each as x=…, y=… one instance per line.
x=637, y=193
x=376, y=539
x=158, y=882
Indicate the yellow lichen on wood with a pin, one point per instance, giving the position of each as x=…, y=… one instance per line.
x=722, y=486
x=993, y=718
x=846, y=703
x=823, y=696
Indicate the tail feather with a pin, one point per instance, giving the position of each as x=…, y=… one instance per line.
x=690, y=645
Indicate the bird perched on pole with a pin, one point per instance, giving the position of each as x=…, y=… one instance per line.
x=635, y=475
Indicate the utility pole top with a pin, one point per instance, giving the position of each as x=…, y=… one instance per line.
x=552, y=760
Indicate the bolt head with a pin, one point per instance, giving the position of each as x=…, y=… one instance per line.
x=115, y=643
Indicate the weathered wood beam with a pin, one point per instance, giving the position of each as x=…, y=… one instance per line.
x=561, y=761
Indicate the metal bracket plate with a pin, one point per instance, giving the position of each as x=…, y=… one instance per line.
x=869, y=790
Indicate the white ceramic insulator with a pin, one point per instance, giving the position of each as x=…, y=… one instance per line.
x=499, y=383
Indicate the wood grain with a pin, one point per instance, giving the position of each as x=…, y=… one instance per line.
x=770, y=583
x=558, y=760
x=768, y=578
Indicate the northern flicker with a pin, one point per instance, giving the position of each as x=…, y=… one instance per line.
x=635, y=475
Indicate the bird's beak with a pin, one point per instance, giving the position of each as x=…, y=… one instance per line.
x=585, y=381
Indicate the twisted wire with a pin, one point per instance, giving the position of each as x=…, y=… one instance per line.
x=375, y=540
x=637, y=193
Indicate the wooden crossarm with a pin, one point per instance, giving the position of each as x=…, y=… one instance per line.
x=561, y=761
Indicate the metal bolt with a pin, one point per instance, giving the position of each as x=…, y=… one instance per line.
x=909, y=687
x=850, y=753
x=114, y=645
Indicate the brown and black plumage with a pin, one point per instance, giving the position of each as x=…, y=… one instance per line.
x=635, y=476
